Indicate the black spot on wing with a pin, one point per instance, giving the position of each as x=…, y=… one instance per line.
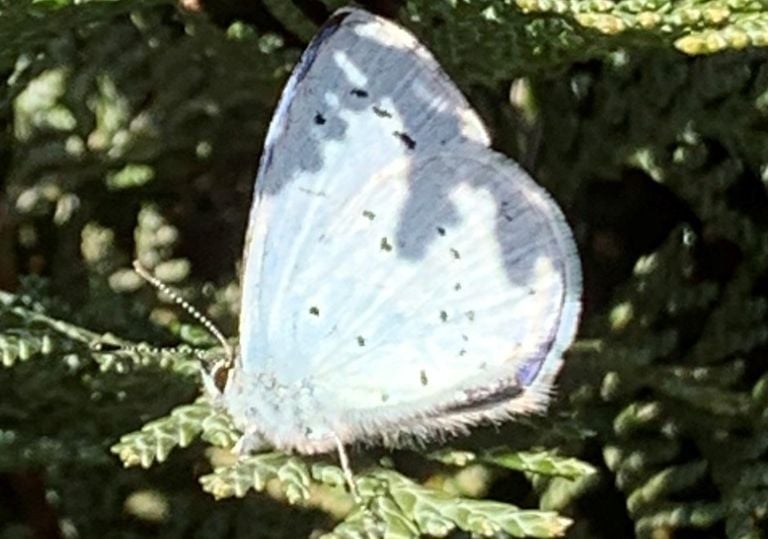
x=306, y=61
x=407, y=141
x=506, y=212
x=312, y=192
x=381, y=113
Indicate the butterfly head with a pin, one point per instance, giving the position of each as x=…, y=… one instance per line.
x=216, y=376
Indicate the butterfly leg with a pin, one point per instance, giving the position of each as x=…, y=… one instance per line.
x=344, y=461
x=250, y=442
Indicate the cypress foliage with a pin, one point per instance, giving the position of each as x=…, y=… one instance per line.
x=133, y=128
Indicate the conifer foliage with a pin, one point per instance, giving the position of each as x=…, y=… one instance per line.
x=132, y=129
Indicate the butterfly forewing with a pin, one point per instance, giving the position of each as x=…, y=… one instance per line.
x=365, y=94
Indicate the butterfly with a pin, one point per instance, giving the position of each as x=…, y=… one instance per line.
x=400, y=278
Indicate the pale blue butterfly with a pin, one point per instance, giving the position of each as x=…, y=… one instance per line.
x=400, y=278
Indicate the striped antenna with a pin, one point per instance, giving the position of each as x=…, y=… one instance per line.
x=194, y=313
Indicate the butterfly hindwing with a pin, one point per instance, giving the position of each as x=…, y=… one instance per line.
x=444, y=282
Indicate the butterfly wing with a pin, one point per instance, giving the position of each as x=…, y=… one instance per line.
x=363, y=91
x=445, y=293
x=399, y=275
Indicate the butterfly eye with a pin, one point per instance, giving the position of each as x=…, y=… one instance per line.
x=220, y=375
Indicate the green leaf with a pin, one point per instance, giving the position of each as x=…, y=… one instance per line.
x=254, y=472
x=539, y=462
x=156, y=439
